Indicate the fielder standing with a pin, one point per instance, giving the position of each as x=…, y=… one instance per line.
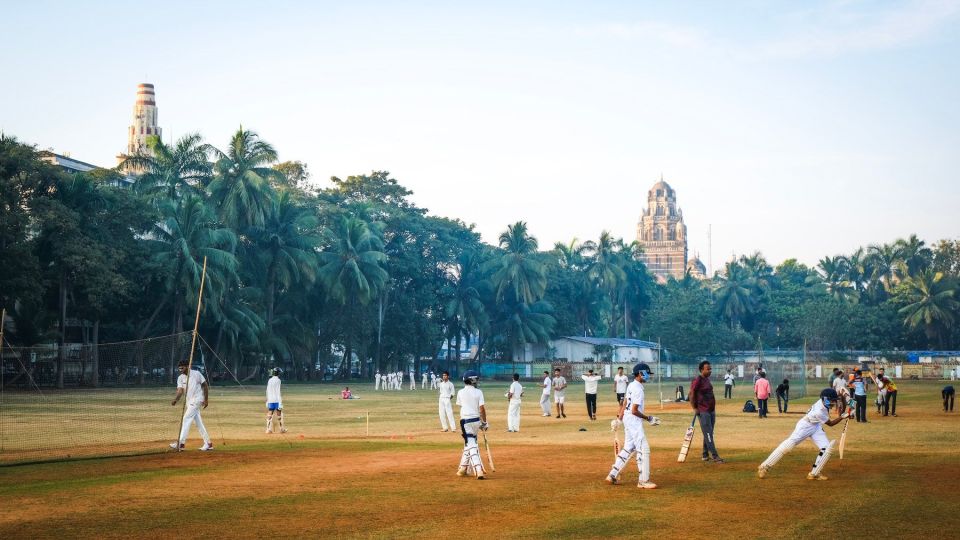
x=545, y=394
x=590, y=382
x=620, y=382
x=473, y=418
x=728, y=381
x=274, y=401
x=514, y=395
x=705, y=404
x=445, y=389
x=948, y=393
x=631, y=415
x=559, y=394
x=810, y=427
x=194, y=385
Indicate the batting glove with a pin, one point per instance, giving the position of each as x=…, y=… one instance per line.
x=654, y=421
x=484, y=426
x=615, y=424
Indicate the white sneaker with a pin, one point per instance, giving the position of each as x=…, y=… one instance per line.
x=646, y=485
x=206, y=446
x=462, y=471
x=283, y=430
x=268, y=431
x=174, y=445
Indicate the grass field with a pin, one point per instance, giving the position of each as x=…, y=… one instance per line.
x=328, y=478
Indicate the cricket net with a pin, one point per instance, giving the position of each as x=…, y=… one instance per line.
x=97, y=400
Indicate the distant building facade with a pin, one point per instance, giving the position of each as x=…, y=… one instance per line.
x=696, y=268
x=144, y=124
x=662, y=233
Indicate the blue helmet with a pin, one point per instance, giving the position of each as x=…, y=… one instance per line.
x=828, y=396
x=642, y=368
x=471, y=377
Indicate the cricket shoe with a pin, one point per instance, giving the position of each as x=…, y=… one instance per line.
x=762, y=472
x=462, y=471
x=612, y=480
x=646, y=485
x=283, y=430
x=268, y=431
x=811, y=476
x=206, y=447
x=175, y=447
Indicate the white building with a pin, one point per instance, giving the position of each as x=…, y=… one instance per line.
x=590, y=349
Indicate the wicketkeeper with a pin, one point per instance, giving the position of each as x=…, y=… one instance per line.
x=631, y=416
x=810, y=427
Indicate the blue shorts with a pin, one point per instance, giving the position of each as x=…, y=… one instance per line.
x=273, y=406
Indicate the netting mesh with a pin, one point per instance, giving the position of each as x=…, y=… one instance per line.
x=114, y=398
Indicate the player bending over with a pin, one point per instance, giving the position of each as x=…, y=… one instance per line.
x=473, y=418
x=274, y=401
x=635, y=440
x=810, y=427
x=194, y=385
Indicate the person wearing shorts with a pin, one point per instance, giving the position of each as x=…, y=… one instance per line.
x=559, y=392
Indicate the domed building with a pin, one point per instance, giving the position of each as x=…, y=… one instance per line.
x=662, y=233
x=696, y=268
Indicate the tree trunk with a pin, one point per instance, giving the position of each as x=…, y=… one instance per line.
x=271, y=295
x=95, y=354
x=458, y=353
x=63, y=329
x=175, y=330
x=141, y=334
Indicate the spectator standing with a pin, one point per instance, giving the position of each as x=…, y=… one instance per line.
x=860, y=395
x=783, y=395
x=590, y=381
x=761, y=389
x=890, y=402
x=704, y=403
x=948, y=394
x=728, y=381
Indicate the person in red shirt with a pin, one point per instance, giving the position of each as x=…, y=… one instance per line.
x=346, y=393
x=762, y=389
x=704, y=403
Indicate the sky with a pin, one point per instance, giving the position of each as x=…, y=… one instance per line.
x=797, y=129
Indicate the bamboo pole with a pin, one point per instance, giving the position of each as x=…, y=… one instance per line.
x=193, y=346
x=660, y=372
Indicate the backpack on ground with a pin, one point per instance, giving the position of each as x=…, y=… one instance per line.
x=749, y=406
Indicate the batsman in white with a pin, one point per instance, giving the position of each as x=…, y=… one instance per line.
x=513, y=412
x=446, y=390
x=809, y=427
x=197, y=396
x=473, y=418
x=631, y=415
x=274, y=401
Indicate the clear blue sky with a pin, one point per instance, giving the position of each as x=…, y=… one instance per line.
x=800, y=129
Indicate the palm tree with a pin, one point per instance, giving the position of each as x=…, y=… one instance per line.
x=914, y=256
x=570, y=256
x=929, y=299
x=735, y=293
x=833, y=279
x=241, y=187
x=352, y=272
x=518, y=271
x=759, y=270
x=171, y=172
x=606, y=269
x=883, y=261
x=465, y=312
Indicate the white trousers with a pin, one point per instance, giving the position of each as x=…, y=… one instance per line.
x=545, y=403
x=804, y=430
x=471, y=450
x=446, y=415
x=191, y=415
x=634, y=441
x=513, y=415
x=377, y=385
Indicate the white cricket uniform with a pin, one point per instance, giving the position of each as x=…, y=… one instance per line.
x=808, y=427
x=590, y=383
x=545, y=396
x=634, y=439
x=423, y=381
x=470, y=399
x=513, y=412
x=193, y=396
x=621, y=382
x=840, y=385
x=559, y=389
x=273, y=392
x=376, y=379
x=413, y=381
x=447, y=420
x=433, y=381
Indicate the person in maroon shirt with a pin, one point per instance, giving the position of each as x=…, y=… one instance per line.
x=705, y=404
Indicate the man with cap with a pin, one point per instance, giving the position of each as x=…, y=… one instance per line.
x=473, y=418
x=810, y=427
x=632, y=417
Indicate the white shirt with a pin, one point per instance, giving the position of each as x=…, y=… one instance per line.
x=273, y=390
x=194, y=394
x=634, y=396
x=840, y=386
x=470, y=399
x=516, y=389
x=621, y=381
x=728, y=379
x=559, y=383
x=818, y=413
x=546, y=385
x=590, y=383
x=446, y=389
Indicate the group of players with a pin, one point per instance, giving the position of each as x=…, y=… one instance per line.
x=394, y=380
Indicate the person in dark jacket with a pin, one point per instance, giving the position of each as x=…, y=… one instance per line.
x=783, y=395
x=704, y=403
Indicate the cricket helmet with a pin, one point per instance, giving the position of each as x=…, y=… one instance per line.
x=642, y=368
x=829, y=395
x=275, y=372
x=471, y=377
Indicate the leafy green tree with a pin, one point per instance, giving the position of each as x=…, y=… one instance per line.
x=170, y=173
x=241, y=186
x=929, y=302
x=734, y=294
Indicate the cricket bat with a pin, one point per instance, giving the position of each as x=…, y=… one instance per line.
x=843, y=437
x=486, y=445
x=687, y=438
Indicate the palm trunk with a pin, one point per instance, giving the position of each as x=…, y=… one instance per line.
x=63, y=328
x=95, y=354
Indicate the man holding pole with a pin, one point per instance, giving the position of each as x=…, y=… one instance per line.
x=192, y=383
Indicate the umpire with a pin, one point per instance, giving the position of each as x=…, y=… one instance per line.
x=704, y=403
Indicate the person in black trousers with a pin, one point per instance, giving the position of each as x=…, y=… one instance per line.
x=783, y=395
x=948, y=394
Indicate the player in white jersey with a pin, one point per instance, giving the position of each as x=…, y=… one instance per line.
x=447, y=421
x=274, y=401
x=473, y=418
x=559, y=392
x=513, y=396
x=413, y=381
x=376, y=379
x=423, y=381
x=433, y=381
x=631, y=416
x=620, y=382
x=810, y=427
x=545, y=394
x=193, y=386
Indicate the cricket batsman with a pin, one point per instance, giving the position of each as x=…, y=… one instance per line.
x=473, y=418
x=810, y=427
x=631, y=416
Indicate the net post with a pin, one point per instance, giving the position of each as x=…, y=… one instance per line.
x=193, y=346
x=659, y=373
